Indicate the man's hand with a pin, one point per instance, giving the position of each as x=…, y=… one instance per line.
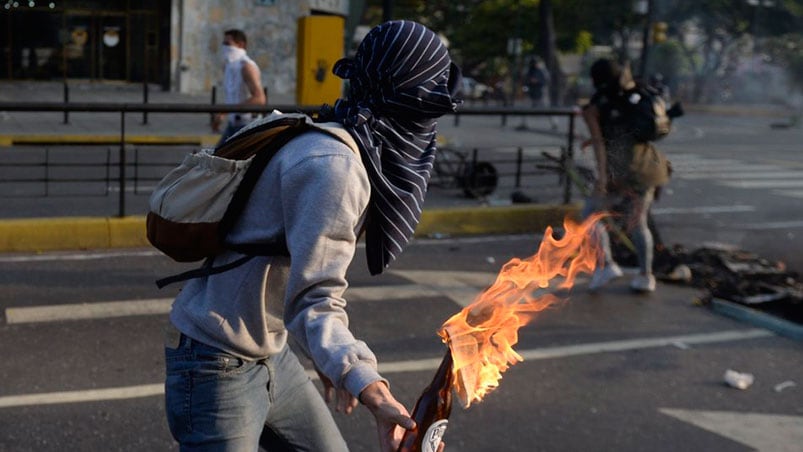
x=345, y=402
x=391, y=416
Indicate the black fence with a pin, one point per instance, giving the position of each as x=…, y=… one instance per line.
x=110, y=166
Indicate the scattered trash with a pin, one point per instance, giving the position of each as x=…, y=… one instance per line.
x=519, y=197
x=738, y=380
x=728, y=273
x=786, y=384
x=490, y=260
x=681, y=272
x=438, y=235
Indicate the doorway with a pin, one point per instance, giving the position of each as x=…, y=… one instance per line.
x=95, y=46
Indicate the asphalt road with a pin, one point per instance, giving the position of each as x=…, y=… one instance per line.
x=613, y=371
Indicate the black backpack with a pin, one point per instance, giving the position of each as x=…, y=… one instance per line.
x=644, y=113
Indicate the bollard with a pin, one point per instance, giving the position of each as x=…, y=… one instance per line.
x=145, y=100
x=66, y=101
x=121, y=166
x=214, y=100
x=567, y=192
x=519, y=158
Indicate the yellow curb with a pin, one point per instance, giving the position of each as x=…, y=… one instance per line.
x=127, y=232
x=78, y=233
x=71, y=233
x=493, y=220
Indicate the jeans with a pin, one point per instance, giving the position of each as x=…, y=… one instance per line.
x=218, y=402
x=637, y=206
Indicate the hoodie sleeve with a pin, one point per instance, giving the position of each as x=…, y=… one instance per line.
x=324, y=197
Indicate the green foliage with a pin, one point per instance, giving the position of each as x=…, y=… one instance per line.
x=478, y=30
x=583, y=42
x=668, y=59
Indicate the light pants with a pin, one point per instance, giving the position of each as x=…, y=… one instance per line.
x=217, y=402
x=636, y=207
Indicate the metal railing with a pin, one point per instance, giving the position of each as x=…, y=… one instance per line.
x=511, y=168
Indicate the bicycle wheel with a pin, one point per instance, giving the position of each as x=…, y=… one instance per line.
x=478, y=180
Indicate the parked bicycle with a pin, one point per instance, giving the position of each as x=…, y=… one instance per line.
x=454, y=169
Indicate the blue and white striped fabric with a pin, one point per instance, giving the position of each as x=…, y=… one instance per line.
x=401, y=79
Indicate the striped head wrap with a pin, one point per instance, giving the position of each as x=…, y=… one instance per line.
x=401, y=79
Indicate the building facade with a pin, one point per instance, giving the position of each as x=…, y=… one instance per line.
x=172, y=43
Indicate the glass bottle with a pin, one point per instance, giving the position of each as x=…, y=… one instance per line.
x=431, y=412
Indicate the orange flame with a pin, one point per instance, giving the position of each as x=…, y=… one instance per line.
x=482, y=335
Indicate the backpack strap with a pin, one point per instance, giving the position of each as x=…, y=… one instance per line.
x=206, y=270
x=280, y=133
x=261, y=159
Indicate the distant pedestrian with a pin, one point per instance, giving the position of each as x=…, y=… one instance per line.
x=241, y=83
x=622, y=178
x=538, y=81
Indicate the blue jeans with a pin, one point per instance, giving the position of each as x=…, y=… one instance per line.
x=218, y=402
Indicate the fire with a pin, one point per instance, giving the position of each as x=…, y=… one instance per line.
x=482, y=335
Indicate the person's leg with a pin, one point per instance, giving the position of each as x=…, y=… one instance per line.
x=642, y=236
x=214, y=401
x=608, y=269
x=298, y=414
x=597, y=204
x=642, y=239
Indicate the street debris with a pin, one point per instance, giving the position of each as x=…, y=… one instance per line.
x=727, y=273
x=738, y=380
x=786, y=384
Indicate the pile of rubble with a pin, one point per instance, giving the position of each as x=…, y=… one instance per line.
x=731, y=274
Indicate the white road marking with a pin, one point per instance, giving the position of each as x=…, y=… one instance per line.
x=83, y=311
x=129, y=392
x=705, y=168
x=749, y=175
x=790, y=193
x=88, y=395
x=764, y=183
x=80, y=256
x=459, y=286
x=157, y=306
x=637, y=344
x=771, y=225
x=702, y=209
x=764, y=432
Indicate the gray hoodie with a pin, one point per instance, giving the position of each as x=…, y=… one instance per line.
x=313, y=194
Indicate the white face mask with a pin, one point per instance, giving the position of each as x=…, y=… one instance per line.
x=231, y=53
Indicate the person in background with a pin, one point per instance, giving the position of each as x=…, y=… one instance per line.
x=659, y=84
x=232, y=381
x=241, y=83
x=616, y=182
x=538, y=79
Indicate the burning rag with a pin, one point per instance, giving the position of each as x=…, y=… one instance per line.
x=401, y=79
